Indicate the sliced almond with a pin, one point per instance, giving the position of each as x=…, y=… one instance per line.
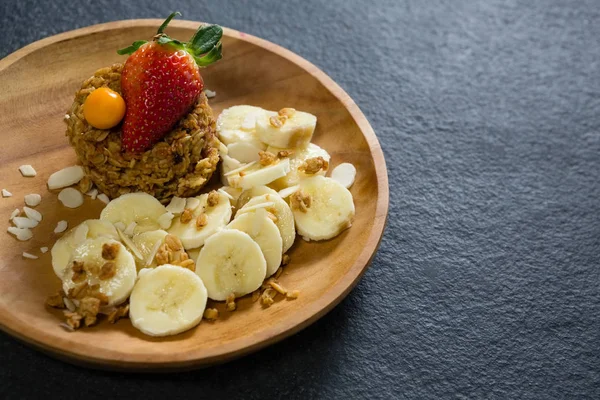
x=44, y=250
x=61, y=226
x=192, y=203
x=27, y=170
x=71, y=198
x=288, y=191
x=33, y=214
x=30, y=256
x=103, y=198
x=15, y=213
x=24, y=222
x=21, y=233
x=6, y=193
x=33, y=199
x=65, y=177
x=177, y=205
x=165, y=220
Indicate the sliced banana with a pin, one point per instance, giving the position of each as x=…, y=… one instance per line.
x=139, y=207
x=297, y=158
x=244, y=152
x=265, y=233
x=117, y=287
x=329, y=211
x=256, y=191
x=295, y=130
x=167, y=300
x=284, y=219
x=257, y=176
x=65, y=246
x=237, y=124
x=231, y=262
x=193, y=235
x=148, y=243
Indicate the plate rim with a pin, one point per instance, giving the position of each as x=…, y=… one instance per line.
x=240, y=347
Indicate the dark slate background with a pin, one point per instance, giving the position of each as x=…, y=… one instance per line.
x=486, y=283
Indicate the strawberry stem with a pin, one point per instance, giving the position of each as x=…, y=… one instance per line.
x=204, y=46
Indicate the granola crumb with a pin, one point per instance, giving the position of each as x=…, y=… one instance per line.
x=287, y=112
x=89, y=308
x=300, y=201
x=186, y=216
x=162, y=255
x=173, y=242
x=56, y=300
x=255, y=295
x=110, y=251
x=285, y=260
x=285, y=153
x=267, y=158
x=277, y=121
x=313, y=165
x=73, y=319
x=201, y=221
x=275, y=285
x=230, y=302
x=108, y=270
x=118, y=313
x=189, y=264
x=266, y=299
x=213, y=198
x=79, y=273
x=272, y=217
x=292, y=295
x=211, y=314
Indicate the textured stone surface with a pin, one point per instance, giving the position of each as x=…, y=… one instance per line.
x=487, y=281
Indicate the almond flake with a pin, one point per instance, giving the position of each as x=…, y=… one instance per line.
x=24, y=222
x=224, y=193
x=288, y=191
x=15, y=213
x=27, y=170
x=238, y=170
x=21, y=233
x=71, y=198
x=33, y=214
x=209, y=93
x=30, y=256
x=93, y=193
x=65, y=177
x=61, y=226
x=120, y=225
x=192, y=203
x=130, y=229
x=103, y=198
x=6, y=193
x=165, y=220
x=33, y=199
x=44, y=250
x=177, y=205
x=256, y=207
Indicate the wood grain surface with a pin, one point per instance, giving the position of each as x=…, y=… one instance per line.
x=38, y=83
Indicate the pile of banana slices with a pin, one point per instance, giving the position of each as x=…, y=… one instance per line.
x=169, y=260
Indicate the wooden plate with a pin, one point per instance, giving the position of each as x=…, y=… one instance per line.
x=38, y=83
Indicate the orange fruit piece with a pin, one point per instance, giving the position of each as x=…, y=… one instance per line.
x=104, y=108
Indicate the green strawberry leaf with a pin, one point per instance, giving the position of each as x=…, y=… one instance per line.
x=131, y=49
x=212, y=56
x=164, y=39
x=205, y=38
x=164, y=24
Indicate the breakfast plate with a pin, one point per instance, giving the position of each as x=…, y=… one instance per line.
x=39, y=82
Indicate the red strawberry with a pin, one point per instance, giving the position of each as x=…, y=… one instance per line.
x=161, y=82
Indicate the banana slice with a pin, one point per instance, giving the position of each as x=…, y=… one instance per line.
x=237, y=124
x=287, y=129
x=167, y=300
x=297, y=158
x=257, y=176
x=256, y=191
x=139, y=207
x=148, y=243
x=328, y=208
x=194, y=232
x=231, y=262
x=244, y=152
x=65, y=246
x=265, y=233
x=116, y=287
x=284, y=219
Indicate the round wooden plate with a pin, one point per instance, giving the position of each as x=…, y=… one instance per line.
x=38, y=83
